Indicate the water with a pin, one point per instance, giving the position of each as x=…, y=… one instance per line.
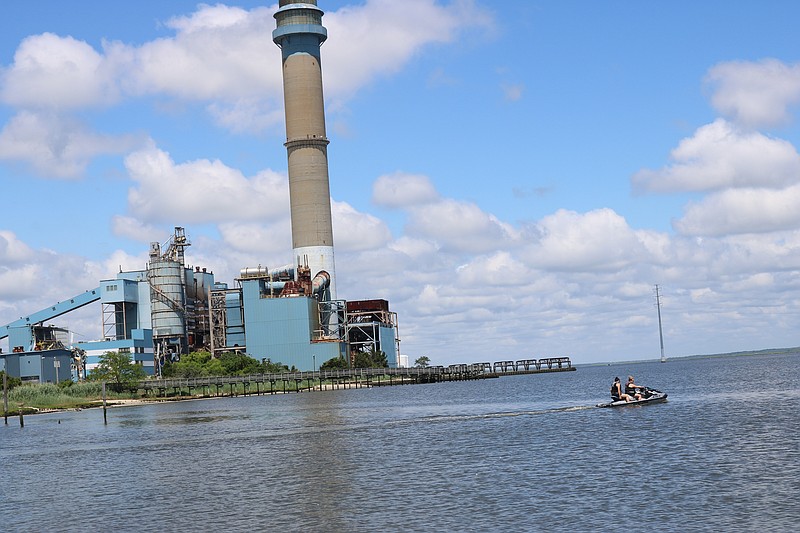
x=524, y=453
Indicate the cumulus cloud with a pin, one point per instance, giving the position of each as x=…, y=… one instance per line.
x=56, y=146
x=594, y=241
x=225, y=56
x=495, y=270
x=460, y=227
x=384, y=35
x=202, y=190
x=258, y=240
x=246, y=115
x=28, y=275
x=12, y=250
x=403, y=190
x=136, y=230
x=353, y=230
x=20, y=281
x=58, y=73
x=742, y=211
x=719, y=156
x=755, y=94
x=218, y=52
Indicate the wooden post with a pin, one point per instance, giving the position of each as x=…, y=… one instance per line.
x=21, y=418
x=105, y=415
x=5, y=397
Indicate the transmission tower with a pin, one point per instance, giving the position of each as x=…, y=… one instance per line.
x=660, y=332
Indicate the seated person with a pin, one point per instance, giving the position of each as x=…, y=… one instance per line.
x=632, y=388
x=616, y=392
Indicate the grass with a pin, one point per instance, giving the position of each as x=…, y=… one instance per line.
x=50, y=396
x=46, y=396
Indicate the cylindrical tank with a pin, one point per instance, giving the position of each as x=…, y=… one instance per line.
x=167, y=298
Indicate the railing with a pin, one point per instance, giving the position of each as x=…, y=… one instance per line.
x=431, y=373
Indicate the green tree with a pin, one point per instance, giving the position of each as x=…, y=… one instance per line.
x=422, y=362
x=193, y=365
x=214, y=368
x=268, y=367
x=239, y=364
x=118, y=369
x=337, y=363
x=371, y=359
x=11, y=382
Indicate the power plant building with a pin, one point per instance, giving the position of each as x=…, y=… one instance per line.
x=290, y=315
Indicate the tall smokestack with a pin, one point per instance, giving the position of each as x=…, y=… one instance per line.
x=299, y=35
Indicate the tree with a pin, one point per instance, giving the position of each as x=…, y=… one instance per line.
x=337, y=363
x=11, y=382
x=371, y=359
x=239, y=364
x=118, y=369
x=192, y=365
x=422, y=362
x=268, y=367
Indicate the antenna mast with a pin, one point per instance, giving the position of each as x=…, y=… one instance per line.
x=660, y=332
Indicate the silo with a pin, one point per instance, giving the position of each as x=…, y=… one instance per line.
x=167, y=297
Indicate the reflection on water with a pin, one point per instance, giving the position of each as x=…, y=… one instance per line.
x=525, y=453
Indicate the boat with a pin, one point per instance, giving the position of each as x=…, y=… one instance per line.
x=648, y=396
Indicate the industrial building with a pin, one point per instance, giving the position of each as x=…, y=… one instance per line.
x=289, y=314
x=168, y=309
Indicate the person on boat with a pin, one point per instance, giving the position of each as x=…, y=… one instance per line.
x=632, y=389
x=616, y=392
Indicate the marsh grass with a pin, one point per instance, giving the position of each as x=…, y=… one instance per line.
x=50, y=396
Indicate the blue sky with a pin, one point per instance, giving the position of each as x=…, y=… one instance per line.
x=514, y=177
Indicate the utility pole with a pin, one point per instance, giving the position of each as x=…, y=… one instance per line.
x=660, y=332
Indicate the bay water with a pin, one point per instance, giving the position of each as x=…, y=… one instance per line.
x=518, y=453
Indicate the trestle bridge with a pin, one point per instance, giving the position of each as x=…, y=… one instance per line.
x=347, y=378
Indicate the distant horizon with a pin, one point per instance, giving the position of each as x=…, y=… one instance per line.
x=745, y=353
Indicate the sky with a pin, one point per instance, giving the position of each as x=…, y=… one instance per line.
x=515, y=177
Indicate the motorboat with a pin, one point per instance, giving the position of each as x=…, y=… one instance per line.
x=648, y=396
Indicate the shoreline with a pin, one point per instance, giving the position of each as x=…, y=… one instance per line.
x=117, y=403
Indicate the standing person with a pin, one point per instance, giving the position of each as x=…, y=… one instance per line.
x=631, y=388
x=616, y=392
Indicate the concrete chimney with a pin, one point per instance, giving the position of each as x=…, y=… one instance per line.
x=300, y=34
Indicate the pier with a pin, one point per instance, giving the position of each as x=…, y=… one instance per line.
x=347, y=378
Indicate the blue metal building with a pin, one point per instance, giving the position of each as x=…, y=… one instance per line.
x=281, y=315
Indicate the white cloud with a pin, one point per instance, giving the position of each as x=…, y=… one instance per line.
x=57, y=73
x=414, y=247
x=354, y=231
x=218, y=52
x=19, y=282
x=225, y=56
x=599, y=240
x=246, y=115
x=202, y=191
x=513, y=92
x=460, y=227
x=12, y=250
x=403, y=190
x=258, y=240
x=382, y=36
x=755, y=94
x=136, y=230
x=719, y=156
x=500, y=269
x=55, y=146
x=742, y=211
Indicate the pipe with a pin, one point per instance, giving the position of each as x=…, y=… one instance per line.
x=320, y=284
